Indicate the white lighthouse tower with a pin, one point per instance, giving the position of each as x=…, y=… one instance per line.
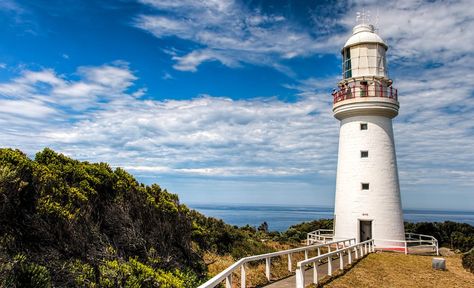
x=368, y=203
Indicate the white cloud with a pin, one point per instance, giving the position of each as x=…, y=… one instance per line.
x=228, y=32
x=189, y=62
x=209, y=136
x=54, y=92
x=29, y=109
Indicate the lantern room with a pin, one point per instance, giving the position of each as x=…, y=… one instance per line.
x=364, y=54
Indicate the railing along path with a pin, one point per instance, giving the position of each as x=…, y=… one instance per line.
x=318, y=236
x=227, y=273
x=360, y=249
x=411, y=240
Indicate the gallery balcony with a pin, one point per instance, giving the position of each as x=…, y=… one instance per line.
x=362, y=91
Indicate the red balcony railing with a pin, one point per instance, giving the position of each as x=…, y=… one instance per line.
x=356, y=91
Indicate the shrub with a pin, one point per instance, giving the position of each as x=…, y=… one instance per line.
x=468, y=260
x=27, y=274
x=133, y=273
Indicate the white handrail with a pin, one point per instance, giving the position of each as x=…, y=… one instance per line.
x=227, y=273
x=422, y=239
x=432, y=241
x=321, y=236
x=318, y=236
x=360, y=249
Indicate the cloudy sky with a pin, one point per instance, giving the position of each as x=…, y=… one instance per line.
x=229, y=101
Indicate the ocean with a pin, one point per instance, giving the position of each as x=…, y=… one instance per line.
x=281, y=217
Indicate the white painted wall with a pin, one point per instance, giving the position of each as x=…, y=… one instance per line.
x=381, y=203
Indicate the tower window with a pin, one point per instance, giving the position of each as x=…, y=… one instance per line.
x=365, y=186
x=363, y=126
x=364, y=154
x=346, y=66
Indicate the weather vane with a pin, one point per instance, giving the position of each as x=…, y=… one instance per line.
x=363, y=17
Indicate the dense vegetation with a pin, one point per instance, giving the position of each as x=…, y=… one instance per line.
x=69, y=223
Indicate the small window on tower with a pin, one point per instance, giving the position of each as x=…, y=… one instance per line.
x=363, y=126
x=364, y=154
x=365, y=186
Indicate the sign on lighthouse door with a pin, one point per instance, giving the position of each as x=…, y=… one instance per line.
x=365, y=230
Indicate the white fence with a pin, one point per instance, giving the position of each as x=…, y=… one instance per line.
x=360, y=250
x=411, y=240
x=319, y=236
x=226, y=275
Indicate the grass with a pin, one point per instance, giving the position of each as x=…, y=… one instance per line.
x=399, y=270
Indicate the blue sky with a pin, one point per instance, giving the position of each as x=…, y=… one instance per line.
x=229, y=101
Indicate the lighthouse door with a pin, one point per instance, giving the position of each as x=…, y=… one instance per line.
x=365, y=230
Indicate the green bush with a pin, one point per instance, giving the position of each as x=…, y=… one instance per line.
x=468, y=260
x=215, y=235
x=133, y=273
x=82, y=273
x=23, y=273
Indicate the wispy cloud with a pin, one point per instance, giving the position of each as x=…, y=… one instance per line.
x=228, y=32
x=210, y=136
x=46, y=88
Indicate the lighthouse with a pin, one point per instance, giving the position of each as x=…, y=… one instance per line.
x=367, y=203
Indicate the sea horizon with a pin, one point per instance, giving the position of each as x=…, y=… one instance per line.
x=280, y=217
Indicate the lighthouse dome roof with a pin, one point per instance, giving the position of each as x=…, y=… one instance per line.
x=364, y=33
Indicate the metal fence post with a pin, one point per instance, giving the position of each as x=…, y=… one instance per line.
x=299, y=277
x=268, y=263
x=289, y=262
x=243, y=280
x=228, y=281
x=329, y=266
x=341, y=260
x=315, y=273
